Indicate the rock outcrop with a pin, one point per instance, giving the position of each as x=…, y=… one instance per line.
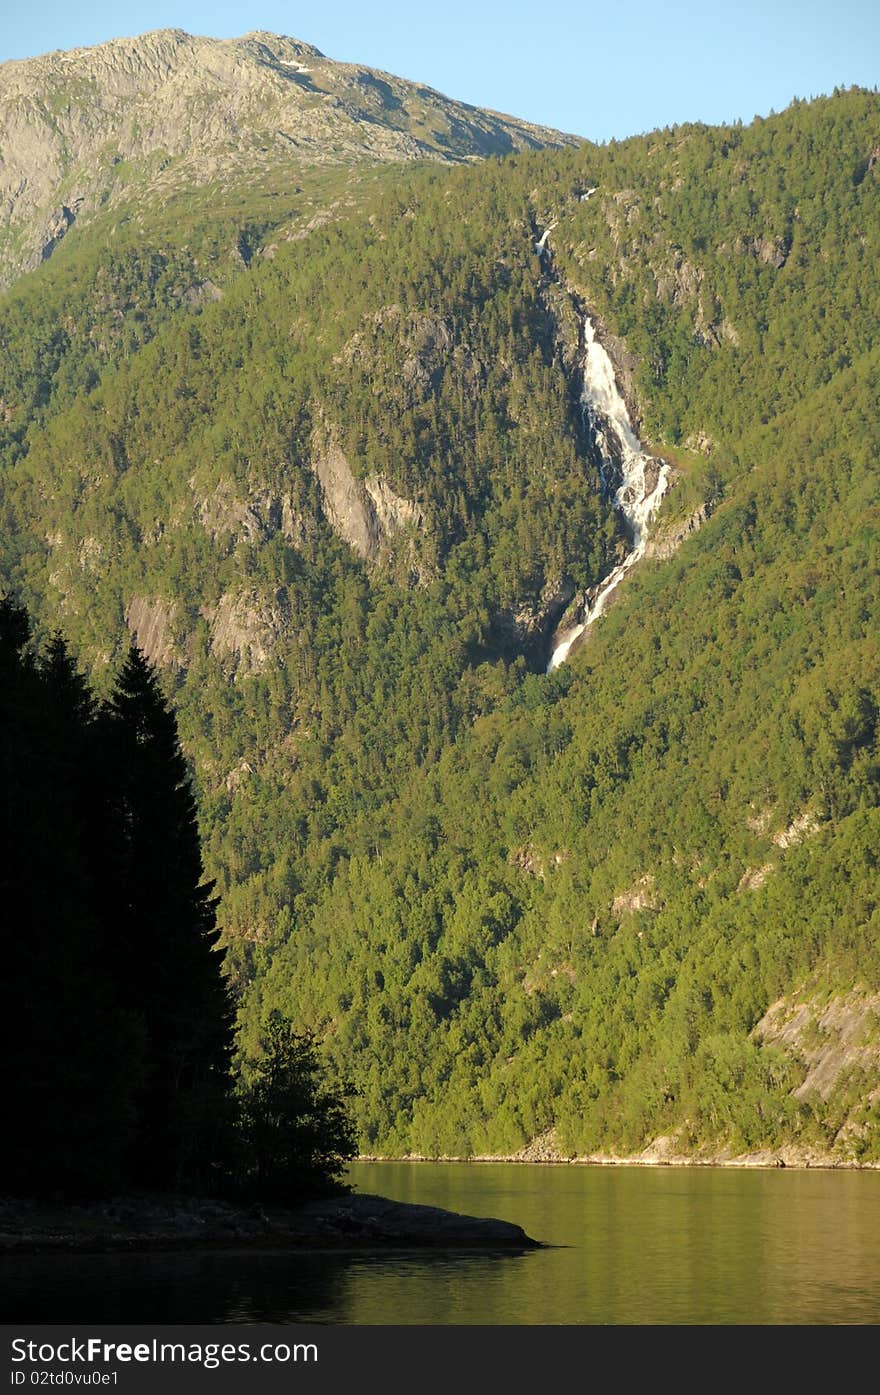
x=770, y=251
x=375, y=1219
x=229, y=518
x=245, y=626
x=804, y=826
x=152, y=623
x=754, y=877
x=640, y=897
x=665, y=541
x=348, y=1221
x=364, y=513
x=526, y=628
x=832, y=1038
x=420, y=344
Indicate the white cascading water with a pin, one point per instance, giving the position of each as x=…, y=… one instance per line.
x=644, y=479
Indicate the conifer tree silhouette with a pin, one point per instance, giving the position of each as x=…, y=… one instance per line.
x=70, y=1053
x=176, y=987
x=117, y=1030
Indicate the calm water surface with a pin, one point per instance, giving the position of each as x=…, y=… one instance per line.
x=631, y=1245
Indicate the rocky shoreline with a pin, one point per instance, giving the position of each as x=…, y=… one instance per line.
x=660, y=1153
x=348, y=1221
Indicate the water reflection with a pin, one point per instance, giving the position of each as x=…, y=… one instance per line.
x=664, y=1245
x=632, y=1246
x=237, y=1286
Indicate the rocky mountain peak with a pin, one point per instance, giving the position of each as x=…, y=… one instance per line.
x=137, y=118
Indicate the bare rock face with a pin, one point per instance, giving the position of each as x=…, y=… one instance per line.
x=391, y=511
x=664, y=542
x=346, y=505
x=679, y=282
x=712, y=335
x=527, y=627
x=804, y=826
x=365, y=513
x=152, y=624
x=837, y=1041
x=137, y=118
x=226, y=517
x=420, y=343
x=229, y=518
x=426, y=344
x=700, y=442
x=528, y=860
x=638, y=898
x=543, y=1148
x=754, y=877
x=769, y=251
x=626, y=366
x=663, y=1149
x=59, y=223
x=245, y=626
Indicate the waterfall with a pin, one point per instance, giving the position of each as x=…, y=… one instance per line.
x=643, y=480
x=541, y=245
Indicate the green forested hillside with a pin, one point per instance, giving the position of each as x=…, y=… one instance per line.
x=570, y=936
x=344, y=503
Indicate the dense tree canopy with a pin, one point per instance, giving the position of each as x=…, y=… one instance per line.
x=505, y=901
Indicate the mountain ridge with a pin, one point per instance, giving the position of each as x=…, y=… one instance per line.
x=137, y=118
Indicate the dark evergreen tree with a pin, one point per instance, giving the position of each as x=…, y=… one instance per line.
x=117, y=1024
x=296, y=1135
x=168, y=924
x=71, y=1047
x=18, y=889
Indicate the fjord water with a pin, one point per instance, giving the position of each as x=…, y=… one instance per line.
x=647, y=1245
x=629, y=1245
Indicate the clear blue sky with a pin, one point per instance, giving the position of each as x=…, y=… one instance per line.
x=600, y=70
